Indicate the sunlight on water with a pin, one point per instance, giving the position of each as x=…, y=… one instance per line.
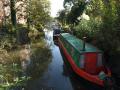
x=49, y=37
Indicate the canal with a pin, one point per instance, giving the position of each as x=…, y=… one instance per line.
x=59, y=75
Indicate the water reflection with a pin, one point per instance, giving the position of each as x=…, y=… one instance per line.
x=25, y=59
x=49, y=38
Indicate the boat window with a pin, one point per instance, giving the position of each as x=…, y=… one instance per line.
x=99, y=59
x=82, y=61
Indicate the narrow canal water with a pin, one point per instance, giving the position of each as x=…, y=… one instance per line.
x=59, y=75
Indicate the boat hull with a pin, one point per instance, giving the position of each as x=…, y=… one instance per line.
x=80, y=72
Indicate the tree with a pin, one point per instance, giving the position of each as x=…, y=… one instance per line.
x=39, y=13
x=62, y=17
x=13, y=13
x=76, y=9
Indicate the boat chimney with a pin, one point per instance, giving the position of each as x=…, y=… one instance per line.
x=84, y=40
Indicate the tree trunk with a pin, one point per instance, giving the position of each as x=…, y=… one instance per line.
x=13, y=13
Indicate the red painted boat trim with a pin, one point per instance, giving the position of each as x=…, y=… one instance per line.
x=80, y=72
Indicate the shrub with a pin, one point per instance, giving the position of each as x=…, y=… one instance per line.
x=87, y=28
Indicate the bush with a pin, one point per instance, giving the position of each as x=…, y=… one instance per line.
x=7, y=42
x=87, y=28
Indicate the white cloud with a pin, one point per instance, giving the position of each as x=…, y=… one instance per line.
x=56, y=5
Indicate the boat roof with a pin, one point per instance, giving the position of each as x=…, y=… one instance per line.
x=78, y=44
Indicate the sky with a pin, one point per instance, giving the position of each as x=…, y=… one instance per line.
x=56, y=5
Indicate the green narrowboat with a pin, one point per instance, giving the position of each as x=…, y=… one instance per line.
x=85, y=59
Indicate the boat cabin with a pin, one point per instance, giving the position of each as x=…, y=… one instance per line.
x=87, y=58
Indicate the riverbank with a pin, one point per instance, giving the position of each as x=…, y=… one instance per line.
x=11, y=70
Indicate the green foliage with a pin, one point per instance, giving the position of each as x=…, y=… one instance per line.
x=87, y=28
x=35, y=35
x=109, y=28
x=7, y=42
x=62, y=17
x=9, y=70
x=76, y=9
x=39, y=13
x=67, y=1
x=106, y=33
